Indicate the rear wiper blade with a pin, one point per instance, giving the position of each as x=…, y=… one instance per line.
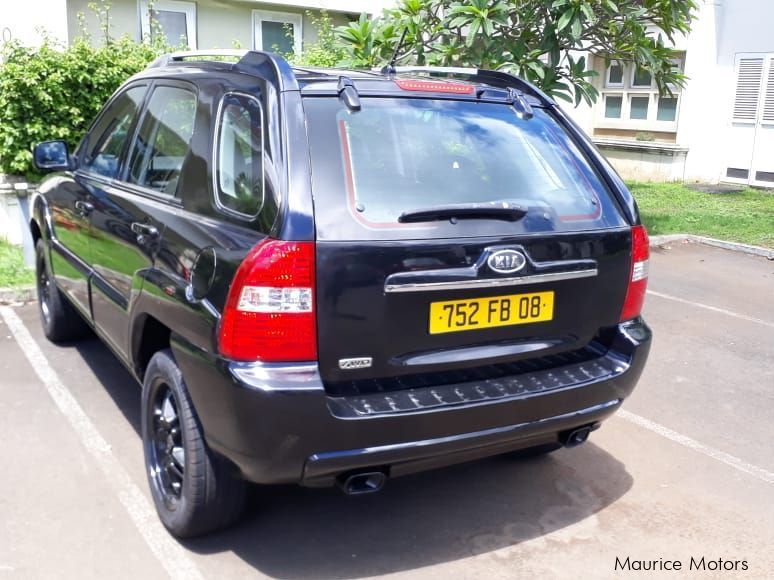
x=510, y=212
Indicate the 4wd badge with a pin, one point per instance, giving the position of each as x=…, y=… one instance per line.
x=348, y=364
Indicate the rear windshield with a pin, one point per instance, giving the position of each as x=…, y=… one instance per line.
x=399, y=155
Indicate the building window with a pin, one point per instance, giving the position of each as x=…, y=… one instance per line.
x=630, y=100
x=641, y=78
x=278, y=32
x=613, y=106
x=174, y=19
x=667, y=109
x=615, y=75
x=638, y=107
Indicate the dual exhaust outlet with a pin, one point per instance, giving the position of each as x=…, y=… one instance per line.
x=362, y=482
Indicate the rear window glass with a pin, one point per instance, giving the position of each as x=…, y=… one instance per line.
x=398, y=155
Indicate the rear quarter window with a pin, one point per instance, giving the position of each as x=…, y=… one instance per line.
x=397, y=155
x=239, y=156
x=244, y=183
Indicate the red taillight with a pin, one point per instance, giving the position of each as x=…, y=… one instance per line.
x=269, y=313
x=638, y=274
x=435, y=87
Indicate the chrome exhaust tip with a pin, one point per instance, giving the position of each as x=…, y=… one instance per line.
x=363, y=482
x=575, y=437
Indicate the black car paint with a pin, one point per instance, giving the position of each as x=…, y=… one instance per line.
x=283, y=431
x=286, y=432
x=351, y=298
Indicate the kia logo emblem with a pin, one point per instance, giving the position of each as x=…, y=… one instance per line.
x=506, y=261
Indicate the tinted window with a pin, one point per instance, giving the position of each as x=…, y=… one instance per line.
x=164, y=140
x=396, y=155
x=239, y=150
x=107, y=138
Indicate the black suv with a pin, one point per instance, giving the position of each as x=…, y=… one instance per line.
x=326, y=276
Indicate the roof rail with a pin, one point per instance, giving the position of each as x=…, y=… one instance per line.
x=492, y=77
x=269, y=65
x=172, y=57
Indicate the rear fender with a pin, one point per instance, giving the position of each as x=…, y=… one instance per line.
x=162, y=296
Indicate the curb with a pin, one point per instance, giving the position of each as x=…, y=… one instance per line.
x=732, y=246
x=18, y=295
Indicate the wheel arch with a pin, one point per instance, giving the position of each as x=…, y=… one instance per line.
x=40, y=219
x=149, y=335
x=160, y=316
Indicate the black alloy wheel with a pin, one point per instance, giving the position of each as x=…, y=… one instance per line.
x=195, y=491
x=165, y=447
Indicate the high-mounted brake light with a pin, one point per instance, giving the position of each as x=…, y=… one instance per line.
x=269, y=313
x=435, y=87
x=638, y=274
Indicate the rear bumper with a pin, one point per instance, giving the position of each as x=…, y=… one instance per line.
x=278, y=425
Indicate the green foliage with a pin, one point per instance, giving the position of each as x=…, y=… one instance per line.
x=367, y=42
x=327, y=51
x=536, y=39
x=13, y=270
x=54, y=92
x=671, y=208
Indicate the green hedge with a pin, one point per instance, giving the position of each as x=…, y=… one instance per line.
x=52, y=92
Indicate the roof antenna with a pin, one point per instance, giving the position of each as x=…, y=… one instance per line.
x=389, y=69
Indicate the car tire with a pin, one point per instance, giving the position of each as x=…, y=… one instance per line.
x=61, y=321
x=195, y=491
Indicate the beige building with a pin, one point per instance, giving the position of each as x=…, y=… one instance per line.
x=282, y=25
x=719, y=127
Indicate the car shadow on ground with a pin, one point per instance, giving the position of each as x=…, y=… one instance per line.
x=425, y=519
x=416, y=521
x=114, y=376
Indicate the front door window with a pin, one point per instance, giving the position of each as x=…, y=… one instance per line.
x=108, y=136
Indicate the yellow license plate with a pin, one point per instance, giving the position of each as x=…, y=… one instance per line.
x=457, y=315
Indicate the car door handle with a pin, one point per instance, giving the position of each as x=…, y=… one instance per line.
x=145, y=230
x=84, y=207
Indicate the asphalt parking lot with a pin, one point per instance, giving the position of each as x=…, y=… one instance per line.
x=686, y=470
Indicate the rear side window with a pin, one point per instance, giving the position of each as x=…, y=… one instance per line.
x=108, y=137
x=164, y=139
x=239, y=175
x=397, y=155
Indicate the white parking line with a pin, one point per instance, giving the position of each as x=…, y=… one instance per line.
x=685, y=441
x=713, y=308
x=172, y=556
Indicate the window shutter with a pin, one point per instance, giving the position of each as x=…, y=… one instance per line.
x=768, y=99
x=748, y=88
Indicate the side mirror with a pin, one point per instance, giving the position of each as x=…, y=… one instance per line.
x=52, y=156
